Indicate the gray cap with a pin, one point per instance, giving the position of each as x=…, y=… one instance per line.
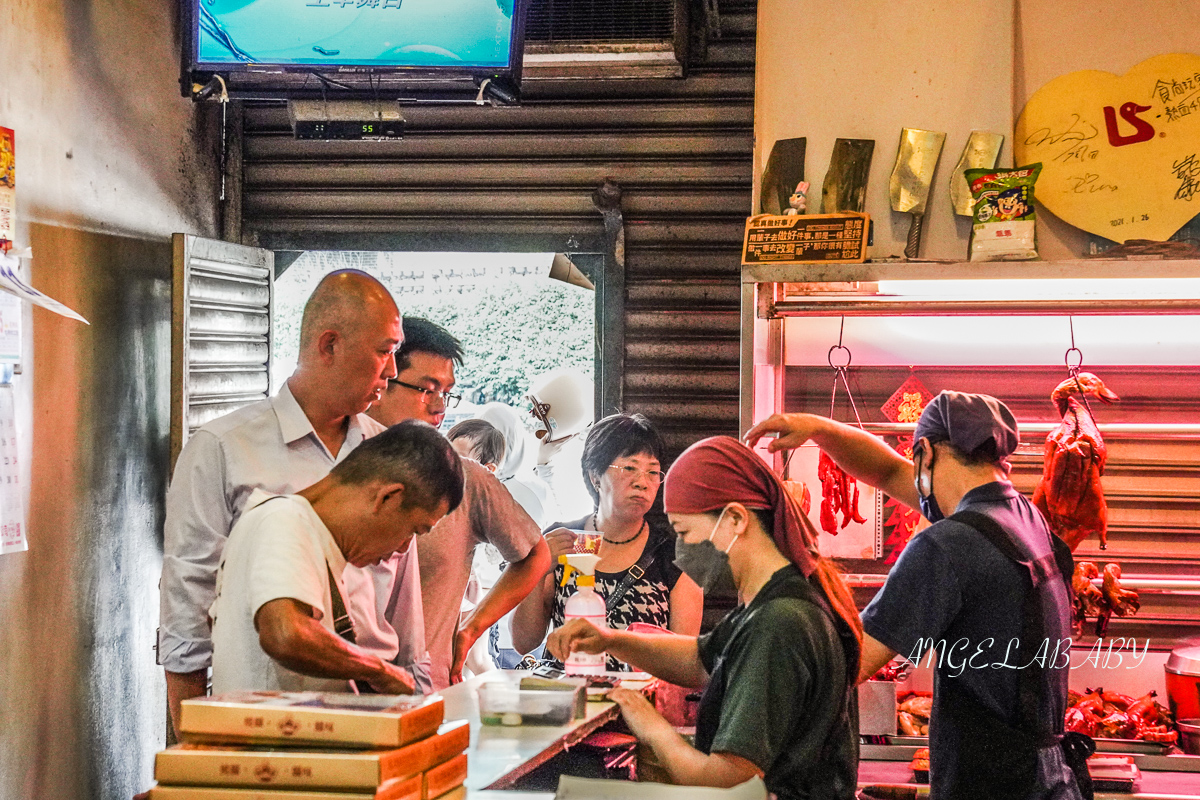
x=975, y=424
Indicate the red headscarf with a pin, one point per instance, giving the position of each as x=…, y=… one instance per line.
x=715, y=472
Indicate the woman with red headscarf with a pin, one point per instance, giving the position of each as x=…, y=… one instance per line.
x=780, y=668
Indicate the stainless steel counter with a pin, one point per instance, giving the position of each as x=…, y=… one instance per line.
x=1160, y=780
x=499, y=755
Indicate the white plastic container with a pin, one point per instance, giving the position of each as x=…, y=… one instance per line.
x=503, y=703
x=585, y=604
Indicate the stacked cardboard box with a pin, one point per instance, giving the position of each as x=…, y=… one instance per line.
x=314, y=746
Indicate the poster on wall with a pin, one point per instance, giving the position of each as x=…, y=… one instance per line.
x=8, y=187
x=1120, y=154
x=12, y=496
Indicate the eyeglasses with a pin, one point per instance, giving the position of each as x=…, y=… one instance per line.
x=652, y=475
x=451, y=400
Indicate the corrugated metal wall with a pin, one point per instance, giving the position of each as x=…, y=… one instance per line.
x=521, y=178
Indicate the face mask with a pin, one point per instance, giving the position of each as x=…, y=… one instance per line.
x=929, y=504
x=705, y=564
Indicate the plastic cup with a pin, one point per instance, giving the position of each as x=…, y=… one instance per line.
x=587, y=541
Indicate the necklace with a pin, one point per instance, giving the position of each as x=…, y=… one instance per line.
x=622, y=541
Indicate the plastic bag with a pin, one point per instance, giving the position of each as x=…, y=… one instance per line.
x=1004, y=226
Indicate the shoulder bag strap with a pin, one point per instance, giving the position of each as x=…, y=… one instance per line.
x=343, y=626
x=632, y=576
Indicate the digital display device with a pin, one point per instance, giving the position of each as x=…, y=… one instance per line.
x=426, y=36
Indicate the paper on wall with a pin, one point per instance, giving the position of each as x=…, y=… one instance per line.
x=856, y=540
x=11, y=282
x=10, y=328
x=12, y=498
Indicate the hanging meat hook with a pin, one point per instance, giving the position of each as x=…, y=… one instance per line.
x=1074, y=369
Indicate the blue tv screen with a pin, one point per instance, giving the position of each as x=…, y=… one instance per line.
x=456, y=35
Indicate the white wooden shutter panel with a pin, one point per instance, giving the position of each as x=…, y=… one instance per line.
x=220, y=331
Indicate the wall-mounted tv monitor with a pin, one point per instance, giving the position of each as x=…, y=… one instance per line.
x=456, y=37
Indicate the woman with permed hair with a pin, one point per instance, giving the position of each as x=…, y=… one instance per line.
x=622, y=467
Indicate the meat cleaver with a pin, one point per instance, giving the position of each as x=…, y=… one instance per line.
x=982, y=151
x=845, y=187
x=912, y=178
x=785, y=168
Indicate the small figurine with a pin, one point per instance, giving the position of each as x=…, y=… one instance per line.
x=798, y=201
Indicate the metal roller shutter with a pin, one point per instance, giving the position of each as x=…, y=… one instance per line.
x=521, y=178
x=221, y=331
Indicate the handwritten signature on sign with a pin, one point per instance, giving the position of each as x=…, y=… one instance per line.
x=1187, y=172
x=1089, y=183
x=1074, y=140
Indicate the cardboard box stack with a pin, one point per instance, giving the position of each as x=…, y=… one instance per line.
x=314, y=746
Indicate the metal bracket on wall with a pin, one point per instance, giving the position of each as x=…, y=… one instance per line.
x=232, y=162
x=610, y=338
x=712, y=18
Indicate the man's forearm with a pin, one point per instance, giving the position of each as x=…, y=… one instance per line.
x=320, y=654
x=515, y=583
x=673, y=658
x=874, y=655
x=530, y=620
x=867, y=458
x=299, y=642
x=184, y=686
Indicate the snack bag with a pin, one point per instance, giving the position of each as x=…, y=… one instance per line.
x=1004, y=218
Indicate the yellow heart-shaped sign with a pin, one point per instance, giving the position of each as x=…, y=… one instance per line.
x=1120, y=153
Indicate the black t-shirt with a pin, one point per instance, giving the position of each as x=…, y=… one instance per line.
x=953, y=591
x=778, y=693
x=648, y=598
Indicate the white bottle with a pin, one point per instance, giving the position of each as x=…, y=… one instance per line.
x=585, y=604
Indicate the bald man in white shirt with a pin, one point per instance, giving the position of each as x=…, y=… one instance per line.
x=349, y=334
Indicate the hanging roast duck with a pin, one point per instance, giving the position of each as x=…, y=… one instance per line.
x=1069, y=493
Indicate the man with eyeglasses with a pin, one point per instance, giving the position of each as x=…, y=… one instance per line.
x=423, y=389
x=349, y=333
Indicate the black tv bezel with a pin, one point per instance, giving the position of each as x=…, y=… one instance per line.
x=195, y=70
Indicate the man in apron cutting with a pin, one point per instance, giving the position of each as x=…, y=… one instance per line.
x=986, y=587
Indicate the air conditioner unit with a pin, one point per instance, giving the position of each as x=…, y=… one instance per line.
x=606, y=39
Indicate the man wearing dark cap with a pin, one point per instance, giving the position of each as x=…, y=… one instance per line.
x=962, y=587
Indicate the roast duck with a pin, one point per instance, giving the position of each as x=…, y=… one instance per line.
x=1072, y=499
x=1069, y=493
x=1111, y=599
x=1097, y=713
x=1112, y=715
